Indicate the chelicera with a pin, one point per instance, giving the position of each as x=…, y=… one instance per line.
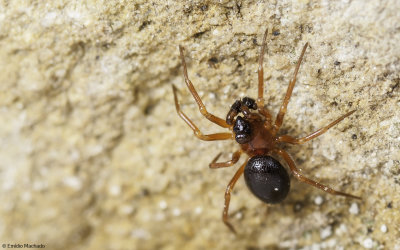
x=251, y=125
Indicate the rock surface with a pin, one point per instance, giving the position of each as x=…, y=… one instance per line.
x=94, y=156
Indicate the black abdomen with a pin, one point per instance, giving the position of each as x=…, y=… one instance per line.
x=267, y=179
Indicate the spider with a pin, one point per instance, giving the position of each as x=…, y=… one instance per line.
x=252, y=127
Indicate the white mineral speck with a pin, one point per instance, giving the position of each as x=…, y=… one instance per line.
x=26, y=196
x=75, y=155
x=383, y=228
x=39, y=185
x=354, y=209
x=159, y=217
x=215, y=32
x=318, y=200
x=49, y=19
x=341, y=230
x=227, y=89
x=126, y=209
x=198, y=210
x=73, y=182
x=239, y=215
x=176, y=212
x=368, y=243
x=326, y=232
x=212, y=96
x=297, y=206
x=163, y=204
x=95, y=150
x=114, y=190
x=140, y=234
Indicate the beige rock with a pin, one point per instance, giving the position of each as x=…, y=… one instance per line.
x=93, y=155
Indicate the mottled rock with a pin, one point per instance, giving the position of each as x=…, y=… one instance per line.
x=93, y=155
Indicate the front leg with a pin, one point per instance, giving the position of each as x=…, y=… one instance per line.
x=196, y=130
x=282, y=110
x=260, y=98
x=197, y=98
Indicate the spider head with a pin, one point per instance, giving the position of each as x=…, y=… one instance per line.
x=242, y=130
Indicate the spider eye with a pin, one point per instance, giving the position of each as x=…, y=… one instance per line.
x=242, y=130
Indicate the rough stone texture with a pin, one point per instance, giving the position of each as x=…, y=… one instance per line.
x=93, y=155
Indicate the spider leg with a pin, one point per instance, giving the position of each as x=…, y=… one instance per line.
x=235, y=158
x=197, y=132
x=282, y=110
x=197, y=98
x=302, y=178
x=292, y=140
x=228, y=190
x=260, y=100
